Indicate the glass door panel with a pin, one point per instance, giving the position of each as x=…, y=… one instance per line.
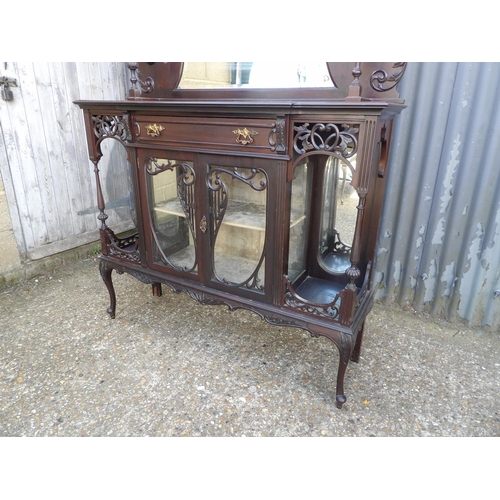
x=171, y=185
x=238, y=212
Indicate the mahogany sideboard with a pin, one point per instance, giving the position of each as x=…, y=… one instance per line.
x=258, y=196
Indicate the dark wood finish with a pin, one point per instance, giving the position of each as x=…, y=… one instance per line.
x=202, y=149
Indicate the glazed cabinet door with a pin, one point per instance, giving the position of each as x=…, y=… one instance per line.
x=243, y=211
x=170, y=192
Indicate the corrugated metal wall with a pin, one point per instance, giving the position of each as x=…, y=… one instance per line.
x=439, y=241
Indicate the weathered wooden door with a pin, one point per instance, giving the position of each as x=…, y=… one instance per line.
x=48, y=179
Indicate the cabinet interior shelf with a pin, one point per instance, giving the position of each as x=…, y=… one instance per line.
x=239, y=214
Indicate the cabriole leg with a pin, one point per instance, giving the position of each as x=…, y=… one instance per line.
x=106, y=271
x=345, y=348
x=344, y=343
x=340, y=396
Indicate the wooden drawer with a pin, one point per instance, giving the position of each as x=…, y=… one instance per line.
x=265, y=136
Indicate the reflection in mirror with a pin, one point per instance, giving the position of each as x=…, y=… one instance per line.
x=338, y=216
x=278, y=74
x=172, y=205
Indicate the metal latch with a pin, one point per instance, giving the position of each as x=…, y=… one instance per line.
x=5, y=83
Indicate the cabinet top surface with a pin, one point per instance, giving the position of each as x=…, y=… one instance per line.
x=240, y=106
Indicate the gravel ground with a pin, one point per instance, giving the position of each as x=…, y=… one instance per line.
x=170, y=367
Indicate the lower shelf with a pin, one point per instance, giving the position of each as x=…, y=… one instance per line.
x=318, y=291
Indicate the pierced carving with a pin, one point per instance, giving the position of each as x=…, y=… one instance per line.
x=112, y=126
x=382, y=82
x=333, y=243
x=330, y=310
x=124, y=248
x=342, y=139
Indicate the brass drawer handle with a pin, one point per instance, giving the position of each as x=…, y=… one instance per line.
x=154, y=129
x=244, y=136
x=203, y=224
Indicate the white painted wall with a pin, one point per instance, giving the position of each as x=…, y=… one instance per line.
x=48, y=180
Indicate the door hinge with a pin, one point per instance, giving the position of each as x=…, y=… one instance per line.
x=5, y=84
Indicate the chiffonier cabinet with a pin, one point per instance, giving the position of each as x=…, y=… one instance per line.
x=256, y=186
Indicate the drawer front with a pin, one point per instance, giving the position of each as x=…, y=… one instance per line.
x=266, y=136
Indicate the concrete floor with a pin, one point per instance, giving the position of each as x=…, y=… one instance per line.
x=170, y=367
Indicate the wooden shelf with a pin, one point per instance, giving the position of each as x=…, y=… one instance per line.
x=241, y=214
x=318, y=291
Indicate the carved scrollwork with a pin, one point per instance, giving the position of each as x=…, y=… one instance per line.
x=330, y=310
x=154, y=167
x=338, y=246
x=124, y=248
x=131, y=256
x=112, y=126
x=342, y=139
x=257, y=180
x=185, y=193
x=277, y=320
x=218, y=190
x=201, y=297
x=147, y=86
x=381, y=81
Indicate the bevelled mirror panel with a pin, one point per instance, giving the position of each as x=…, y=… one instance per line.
x=217, y=75
x=338, y=217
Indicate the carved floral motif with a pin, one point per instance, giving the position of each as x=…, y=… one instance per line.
x=277, y=136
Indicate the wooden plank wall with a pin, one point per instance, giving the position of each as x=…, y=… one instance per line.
x=48, y=179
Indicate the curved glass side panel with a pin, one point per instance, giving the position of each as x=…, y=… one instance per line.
x=238, y=205
x=278, y=74
x=338, y=217
x=299, y=220
x=172, y=207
